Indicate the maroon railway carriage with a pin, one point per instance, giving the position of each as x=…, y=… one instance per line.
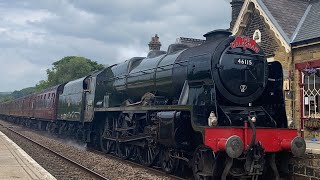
x=40, y=106
x=45, y=103
x=4, y=108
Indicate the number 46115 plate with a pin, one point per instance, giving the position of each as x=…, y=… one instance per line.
x=243, y=61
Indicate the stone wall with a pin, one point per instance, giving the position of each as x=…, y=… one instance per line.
x=300, y=55
x=268, y=43
x=307, y=53
x=305, y=168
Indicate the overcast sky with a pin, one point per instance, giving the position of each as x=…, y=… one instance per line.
x=36, y=33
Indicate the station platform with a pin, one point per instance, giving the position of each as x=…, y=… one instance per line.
x=313, y=147
x=15, y=163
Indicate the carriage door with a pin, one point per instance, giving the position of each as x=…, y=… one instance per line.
x=33, y=106
x=88, y=98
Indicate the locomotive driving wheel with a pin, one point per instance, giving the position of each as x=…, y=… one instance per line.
x=124, y=149
x=168, y=163
x=148, y=154
x=135, y=154
x=203, y=163
x=105, y=132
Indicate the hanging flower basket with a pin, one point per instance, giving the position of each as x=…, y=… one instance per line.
x=312, y=124
x=310, y=71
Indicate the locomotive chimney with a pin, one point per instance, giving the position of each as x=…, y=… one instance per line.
x=154, y=44
x=236, y=6
x=217, y=34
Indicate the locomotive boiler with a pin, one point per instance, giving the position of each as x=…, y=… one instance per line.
x=217, y=108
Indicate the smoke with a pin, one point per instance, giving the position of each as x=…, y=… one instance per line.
x=79, y=145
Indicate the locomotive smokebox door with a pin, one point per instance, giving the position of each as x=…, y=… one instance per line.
x=240, y=71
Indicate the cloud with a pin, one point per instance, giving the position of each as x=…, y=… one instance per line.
x=15, y=69
x=35, y=33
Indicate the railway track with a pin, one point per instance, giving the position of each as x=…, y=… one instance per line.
x=87, y=170
x=155, y=170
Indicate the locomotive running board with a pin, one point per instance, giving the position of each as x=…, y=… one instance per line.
x=146, y=108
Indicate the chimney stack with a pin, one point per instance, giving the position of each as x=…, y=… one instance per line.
x=154, y=44
x=236, y=8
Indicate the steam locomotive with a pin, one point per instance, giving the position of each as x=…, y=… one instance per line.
x=217, y=108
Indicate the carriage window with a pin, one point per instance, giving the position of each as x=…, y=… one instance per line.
x=311, y=94
x=86, y=84
x=45, y=104
x=53, y=95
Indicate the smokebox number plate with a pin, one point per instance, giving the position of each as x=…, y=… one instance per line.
x=243, y=61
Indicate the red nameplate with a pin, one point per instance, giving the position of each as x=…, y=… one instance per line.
x=245, y=43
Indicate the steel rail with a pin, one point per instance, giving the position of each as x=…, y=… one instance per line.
x=159, y=172
x=137, y=164
x=59, y=155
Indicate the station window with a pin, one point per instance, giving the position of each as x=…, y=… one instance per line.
x=257, y=36
x=311, y=93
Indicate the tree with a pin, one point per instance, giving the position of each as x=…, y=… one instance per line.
x=43, y=84
x=67, y=69
x=6, y=98
x=23, y=92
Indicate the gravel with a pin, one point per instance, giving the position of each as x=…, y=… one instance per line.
x=110, y=167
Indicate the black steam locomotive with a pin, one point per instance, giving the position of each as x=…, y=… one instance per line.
x=217, y=107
